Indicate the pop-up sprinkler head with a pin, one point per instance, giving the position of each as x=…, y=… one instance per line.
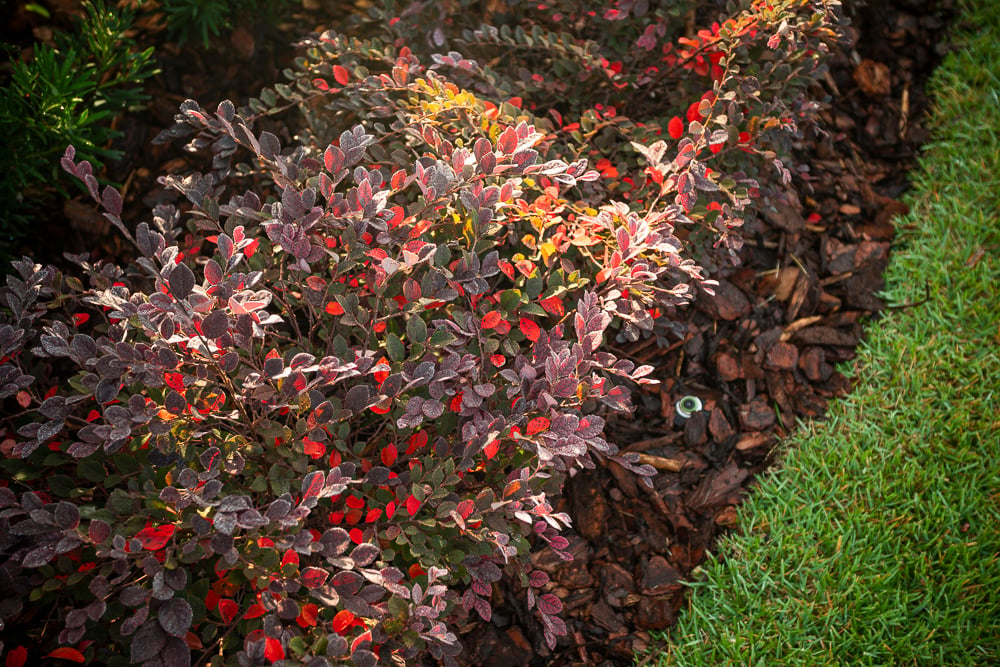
x=687, y=406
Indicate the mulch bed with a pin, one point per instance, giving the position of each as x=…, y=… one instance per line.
x=761, y=355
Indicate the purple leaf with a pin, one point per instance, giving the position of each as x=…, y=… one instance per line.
x=181, y=281
x=175, y=616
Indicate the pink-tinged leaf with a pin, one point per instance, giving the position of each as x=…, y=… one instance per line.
x=549, y=604
x=484, y=609
x=313, y=577
x=538, y=578
x=112, y=201
x=507, y=141
x=312, y=484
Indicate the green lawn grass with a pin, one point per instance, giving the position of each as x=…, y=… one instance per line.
x=877, y=542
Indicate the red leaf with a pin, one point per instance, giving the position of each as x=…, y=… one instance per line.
x=498, y=360
x=273, y=650
x=17, y=657
x=491, y=450
x=491, y=319
x=373, y=515
x=389, y=454
x=313, y=577
x=529, y=329
x=553, y=306
x=415, y=571
x=228, y=611
x=466, y=508
x=675, y=128
x=334, y=308
x=537, y=425
x=255, y=611
x=313, y=449
x=341, y=75
x=155, y=539
x=66, y=653
x=412, y=505
x=342, y=621
x=356, y=535
x=309, y=615
x=79, y=319
x=290, y=557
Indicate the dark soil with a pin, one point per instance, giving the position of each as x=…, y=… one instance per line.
x=761, y=355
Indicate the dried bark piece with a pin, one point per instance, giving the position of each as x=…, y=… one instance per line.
x=799, y=295
x=719, y=487
x=695, y=430
x=812, y=362
x=757, y=415
x=825, y=336
x=718, y=425
x=656, y=613
x=873, y=78
x=590, y=507
x=787, y=277
x=658, y=577
x=728, y=367
x=661, y=463
x=782, y=356
x=626, y=479
x=752, y=441
x=617, y=584
x=729, y=302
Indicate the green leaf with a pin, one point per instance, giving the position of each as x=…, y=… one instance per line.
x=416, y=330
x=441, y=338
x=394, y=346
x=61, y=485
x=442, y=255
x=510, y=299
